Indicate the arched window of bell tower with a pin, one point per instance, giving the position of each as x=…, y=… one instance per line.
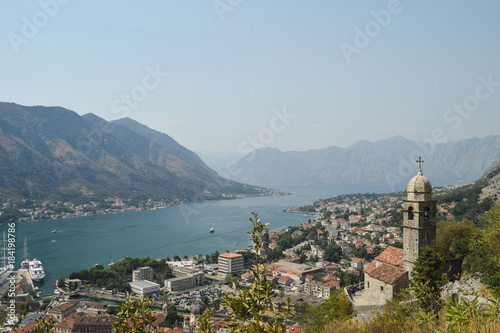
x=410, y=213
x=427, y=214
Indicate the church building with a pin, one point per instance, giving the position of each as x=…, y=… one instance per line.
x=388, y=274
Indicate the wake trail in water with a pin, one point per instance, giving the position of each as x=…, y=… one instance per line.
x=218, y=237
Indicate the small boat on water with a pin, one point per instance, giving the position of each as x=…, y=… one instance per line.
x=56, y=291
x=212, y=230
x=25, y=264
x=54, y=231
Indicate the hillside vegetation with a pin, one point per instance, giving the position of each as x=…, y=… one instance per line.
x=471, y=202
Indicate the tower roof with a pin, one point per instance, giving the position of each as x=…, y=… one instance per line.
x=197, y=310
x=419, y=184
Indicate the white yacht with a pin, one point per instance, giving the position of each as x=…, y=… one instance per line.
x=36, y=270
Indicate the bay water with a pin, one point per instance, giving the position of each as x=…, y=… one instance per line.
x=82, y=242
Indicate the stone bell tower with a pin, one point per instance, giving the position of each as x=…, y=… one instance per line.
x=419, y=218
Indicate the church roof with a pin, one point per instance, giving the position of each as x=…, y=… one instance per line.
x=388, y=273
x=419, y=184
x=370, y=267
x=392, y=255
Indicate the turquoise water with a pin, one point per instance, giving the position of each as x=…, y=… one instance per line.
x=180, y=230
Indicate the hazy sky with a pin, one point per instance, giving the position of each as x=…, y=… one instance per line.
x=228, y=75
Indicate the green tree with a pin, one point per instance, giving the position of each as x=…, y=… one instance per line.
x=45, y=325
x=303, y=258
x=247, y=306
x=301, y=308
x=214, y=258
x=205, y=300
x=44, y=304
x=135, y=316
x=337, y=307
x=216, y=304
x=485, y=257
x=172, y=317
x=428, y=271
x=453, y=239
x=60, y=282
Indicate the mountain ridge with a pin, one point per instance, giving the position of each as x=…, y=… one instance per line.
x=387, y=162
x=54, y=152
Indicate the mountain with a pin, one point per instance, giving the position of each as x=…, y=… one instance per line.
x=219, y=161
x=389, y=163
x=491, y=181
x=51, y=152
x=473, y=200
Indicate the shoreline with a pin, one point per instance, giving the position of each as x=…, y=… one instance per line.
x=133, y=209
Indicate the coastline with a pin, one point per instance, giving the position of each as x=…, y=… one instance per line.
x=147, y=206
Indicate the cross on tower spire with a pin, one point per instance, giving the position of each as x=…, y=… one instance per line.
x=420, y=163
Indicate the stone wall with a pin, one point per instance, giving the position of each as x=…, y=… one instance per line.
x=468, y=285
x=376, y=291
x=365, y=313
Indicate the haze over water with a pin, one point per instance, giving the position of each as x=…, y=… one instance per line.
x=179, y=230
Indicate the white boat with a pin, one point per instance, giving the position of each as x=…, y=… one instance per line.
x=212, y=230
x=56, y=291
x=25, y=264
x=54, y=231
x=36, y=270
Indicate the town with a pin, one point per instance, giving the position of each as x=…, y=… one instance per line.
x=306, y=263
x=26, y=210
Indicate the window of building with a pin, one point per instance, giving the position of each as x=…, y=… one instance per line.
x=427, y=214
x=410, y=213
x=381, y=288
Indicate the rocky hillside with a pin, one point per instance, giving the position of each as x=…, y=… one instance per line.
x=492, y=185
x=51, y=152
x=389, y=162
x=473, y=200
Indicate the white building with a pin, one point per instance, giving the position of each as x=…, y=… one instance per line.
x=144, y=287
x=185, y=282
x=230, y=264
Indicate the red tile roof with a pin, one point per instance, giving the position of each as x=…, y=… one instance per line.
x=66, y=323
x=230, y=255
x=29, y=327
x=174, y=330
x=370, y=267
x=392, y=256
x=388, y=273
x=63, y=307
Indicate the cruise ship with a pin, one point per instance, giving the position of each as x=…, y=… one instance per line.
x=36, y=270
